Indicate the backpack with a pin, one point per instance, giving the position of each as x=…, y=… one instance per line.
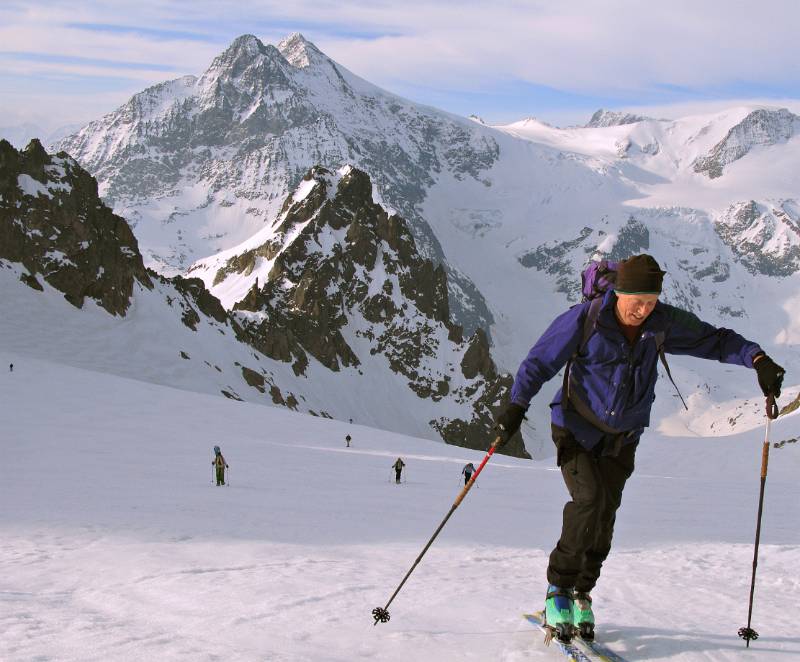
x=596, y=279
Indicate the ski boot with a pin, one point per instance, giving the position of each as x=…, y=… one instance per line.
x=558, y=613
x=584, y=617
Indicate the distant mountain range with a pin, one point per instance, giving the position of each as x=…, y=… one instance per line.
x=340, y=226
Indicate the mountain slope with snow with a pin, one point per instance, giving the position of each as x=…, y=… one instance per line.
x=350, y=321
x=119, y=547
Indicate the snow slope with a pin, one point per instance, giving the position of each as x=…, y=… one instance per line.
x=152, y=344
x=118, y=547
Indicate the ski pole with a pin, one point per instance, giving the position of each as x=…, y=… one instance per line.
x=748, y=633
x=381, y=614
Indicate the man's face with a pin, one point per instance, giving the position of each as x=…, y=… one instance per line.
x=634, y=309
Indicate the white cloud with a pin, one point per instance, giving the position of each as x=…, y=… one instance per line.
x=615, y=48
x=586, y=46
x=685, y=109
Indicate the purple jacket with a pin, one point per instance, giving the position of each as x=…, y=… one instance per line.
x=616, y=380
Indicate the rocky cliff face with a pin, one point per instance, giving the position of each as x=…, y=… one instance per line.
x=348, y=288
x=764, y=237
x=198, y=164
x=53, y=222
x=760, y=128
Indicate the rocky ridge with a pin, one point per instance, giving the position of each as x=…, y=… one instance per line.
x=53, y=222
x=763, y=236
x=347, y=286
x=761, y=128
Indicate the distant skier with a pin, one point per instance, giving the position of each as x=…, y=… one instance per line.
x=398, y=469
x=11, y=367
x=467, y=471
x=611, y=345
x=220, y=464
x=348, y=440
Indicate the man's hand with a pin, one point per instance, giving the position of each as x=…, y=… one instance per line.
x=508, y=422
x=770, y=375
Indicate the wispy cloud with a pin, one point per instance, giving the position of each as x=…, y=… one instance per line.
x=150, y=33
x=534, y=57
x=53, y=58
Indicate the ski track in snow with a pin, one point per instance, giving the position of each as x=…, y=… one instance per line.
x=116, y=546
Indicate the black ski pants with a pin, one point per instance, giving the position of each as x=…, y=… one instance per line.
x=595, y=482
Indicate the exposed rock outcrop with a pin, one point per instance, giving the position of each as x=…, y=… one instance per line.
x=761, y=128
x=53, y=222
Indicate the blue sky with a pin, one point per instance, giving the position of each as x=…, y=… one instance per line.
x=66, y=62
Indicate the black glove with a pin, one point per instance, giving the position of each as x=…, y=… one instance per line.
x=770, y=376
x=508, y=422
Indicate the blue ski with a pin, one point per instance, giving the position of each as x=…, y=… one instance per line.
x=590, y=651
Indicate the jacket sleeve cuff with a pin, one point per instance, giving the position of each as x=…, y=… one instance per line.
x=755, y=354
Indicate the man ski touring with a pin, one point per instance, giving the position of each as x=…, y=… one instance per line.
x=467, y=472
x=220, y=464
x=398, y=469
x=348, y=439
x=610, y=345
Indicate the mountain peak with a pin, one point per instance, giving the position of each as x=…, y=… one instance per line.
x=299, y=51
x=36, y=149
x=242, y=51
x=246, y=43
x=245, y=61
x=531, y=120
x=603, y=118
x=762, y=127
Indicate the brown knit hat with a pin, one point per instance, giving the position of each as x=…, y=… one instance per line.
x=639, y=274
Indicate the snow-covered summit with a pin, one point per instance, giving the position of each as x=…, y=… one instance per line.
x=603, y=118
x=763, y=127
x=197, y=165
x=300, y=52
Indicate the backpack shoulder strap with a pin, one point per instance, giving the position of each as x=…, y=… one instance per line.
x=589, y=327
x=590, y=322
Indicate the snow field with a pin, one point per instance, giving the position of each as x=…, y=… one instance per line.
x=116, y=545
